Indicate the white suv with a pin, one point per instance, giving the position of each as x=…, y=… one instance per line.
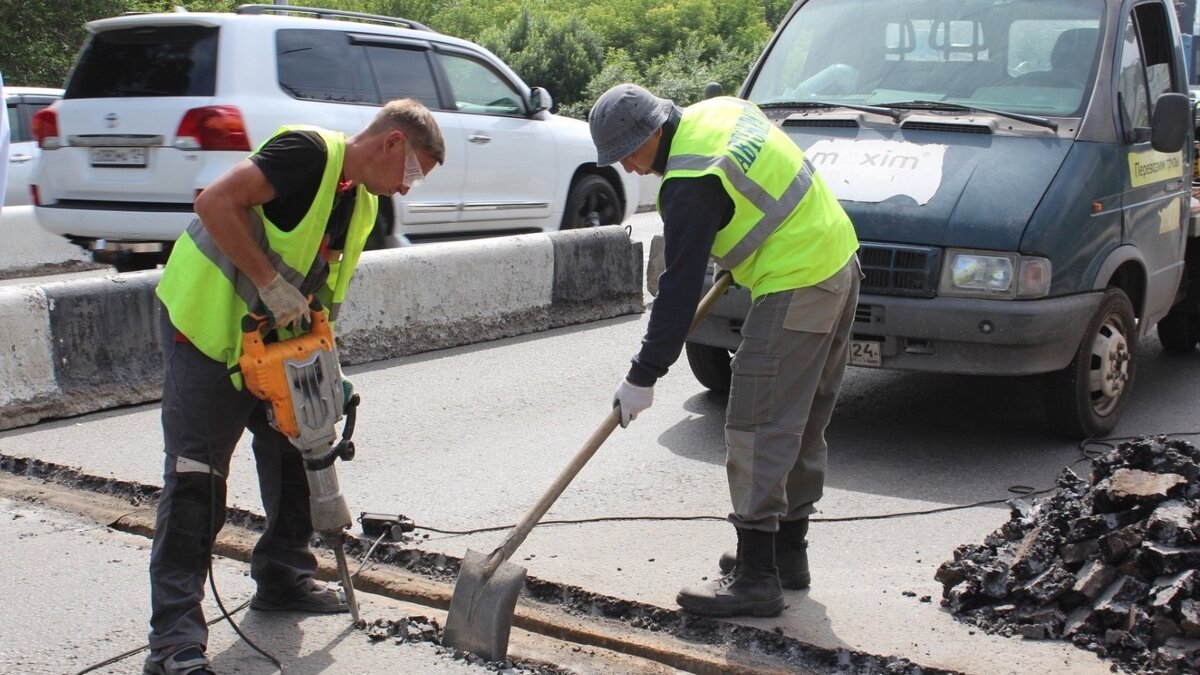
x=159, y=105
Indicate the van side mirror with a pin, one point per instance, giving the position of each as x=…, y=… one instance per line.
x=539, y=100
x=1169, y=122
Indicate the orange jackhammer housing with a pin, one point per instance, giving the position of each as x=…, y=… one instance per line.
x=297, y=376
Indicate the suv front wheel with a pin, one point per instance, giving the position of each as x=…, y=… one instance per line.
x=593, y=201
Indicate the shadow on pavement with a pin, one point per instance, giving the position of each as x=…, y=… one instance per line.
x=952, y=439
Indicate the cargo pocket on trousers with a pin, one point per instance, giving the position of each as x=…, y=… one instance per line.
x=816, y=309
x=752, y=391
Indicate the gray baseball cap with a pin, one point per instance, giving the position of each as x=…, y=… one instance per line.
x=623, y=118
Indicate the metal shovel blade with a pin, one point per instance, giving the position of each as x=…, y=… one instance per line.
x=481, y=609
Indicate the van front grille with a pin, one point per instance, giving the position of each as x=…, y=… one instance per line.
x=894, y=269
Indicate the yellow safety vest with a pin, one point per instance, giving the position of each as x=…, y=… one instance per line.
x=788, y=230
x=207, y=296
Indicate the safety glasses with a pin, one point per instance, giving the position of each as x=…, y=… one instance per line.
x=413, y=175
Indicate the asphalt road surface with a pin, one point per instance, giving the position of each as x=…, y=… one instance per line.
x=468, y=438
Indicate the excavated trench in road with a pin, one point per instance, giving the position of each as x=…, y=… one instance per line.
x=652, y=628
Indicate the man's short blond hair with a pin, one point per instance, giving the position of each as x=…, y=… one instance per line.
x=414, y=119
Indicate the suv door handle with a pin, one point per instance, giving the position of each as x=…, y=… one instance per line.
x=20, y=158
x=479, y=138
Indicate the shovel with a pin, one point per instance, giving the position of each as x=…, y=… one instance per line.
x=485, y=596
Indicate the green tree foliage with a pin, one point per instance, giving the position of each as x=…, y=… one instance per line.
x=575, y=49
x=557, y=53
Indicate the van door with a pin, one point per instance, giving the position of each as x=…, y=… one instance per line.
x=1155, y=201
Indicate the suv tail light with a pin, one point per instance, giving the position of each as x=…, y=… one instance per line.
x=45, y=127
x=214, y=127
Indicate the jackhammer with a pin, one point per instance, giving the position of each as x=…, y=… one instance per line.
x=300, y=378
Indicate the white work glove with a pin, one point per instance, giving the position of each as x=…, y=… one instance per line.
x=286, y=306
x=632, y=400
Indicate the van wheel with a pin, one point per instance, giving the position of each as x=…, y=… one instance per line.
x=593, y=201
x=711, y=366
x=1086, y=399
x=1179, y=331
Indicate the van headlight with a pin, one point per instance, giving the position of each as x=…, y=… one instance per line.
x=999, y=276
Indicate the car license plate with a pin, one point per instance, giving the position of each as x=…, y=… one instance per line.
x=866, y=353
x=119, y=157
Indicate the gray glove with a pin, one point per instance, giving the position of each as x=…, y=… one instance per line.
x=632, y=399
x=286, y=306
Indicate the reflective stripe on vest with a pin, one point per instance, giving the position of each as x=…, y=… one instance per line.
x=774, y=211
x=207, y=296
x=242, y=285
x=787, y=229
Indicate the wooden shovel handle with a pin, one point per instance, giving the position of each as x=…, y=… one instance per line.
x=517, y=536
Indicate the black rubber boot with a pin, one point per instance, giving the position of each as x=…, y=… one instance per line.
x=752, y=589
x=791, y=555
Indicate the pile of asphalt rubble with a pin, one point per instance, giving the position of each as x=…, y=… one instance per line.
x=1109, y=563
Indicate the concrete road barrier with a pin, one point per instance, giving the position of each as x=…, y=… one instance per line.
x=68, y=348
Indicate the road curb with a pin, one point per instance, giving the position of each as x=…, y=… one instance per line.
x=237, y=543
x=685, y=642
x=68, y=348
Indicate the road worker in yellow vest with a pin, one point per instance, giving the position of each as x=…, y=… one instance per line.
x=288, y=222
x=735, y=188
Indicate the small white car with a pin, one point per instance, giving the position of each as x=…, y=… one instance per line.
x=159, y=105
x=22, y=242
x=21, y=103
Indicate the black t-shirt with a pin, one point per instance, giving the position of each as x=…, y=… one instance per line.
x=693, y=211
x=293, y=163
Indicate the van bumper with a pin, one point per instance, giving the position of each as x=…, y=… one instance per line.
x=946, y=335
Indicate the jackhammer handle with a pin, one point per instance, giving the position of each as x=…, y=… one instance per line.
x=517, y=536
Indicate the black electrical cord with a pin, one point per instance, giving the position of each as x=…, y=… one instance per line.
x=1086, y=455
x=138, y=650
x=226, y=615
x=212, y=526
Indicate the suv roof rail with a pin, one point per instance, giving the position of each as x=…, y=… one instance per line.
x=332, y=14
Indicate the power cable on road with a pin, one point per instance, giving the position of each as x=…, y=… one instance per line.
x=1086, y=452
x=1086, y=455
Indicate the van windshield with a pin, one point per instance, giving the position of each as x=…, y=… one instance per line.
x=1025, y=56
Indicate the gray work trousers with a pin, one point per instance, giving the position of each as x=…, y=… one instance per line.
x=203, y=417
x=786, y=377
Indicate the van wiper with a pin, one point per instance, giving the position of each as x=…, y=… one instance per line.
x=942, y=105
x=805, y=105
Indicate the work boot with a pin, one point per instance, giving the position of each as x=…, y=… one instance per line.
x=751, y=589
x=187, y=660
x=791, y=555
x=313, y=597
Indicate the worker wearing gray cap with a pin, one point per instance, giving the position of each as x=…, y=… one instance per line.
x=736, y=189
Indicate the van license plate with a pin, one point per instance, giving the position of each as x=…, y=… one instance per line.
x=120, y=157
x=866, y=353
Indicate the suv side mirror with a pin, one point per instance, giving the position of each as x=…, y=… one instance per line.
x=539, y=100
x=1169, y=122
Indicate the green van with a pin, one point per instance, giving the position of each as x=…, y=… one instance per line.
x=1019, y=175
